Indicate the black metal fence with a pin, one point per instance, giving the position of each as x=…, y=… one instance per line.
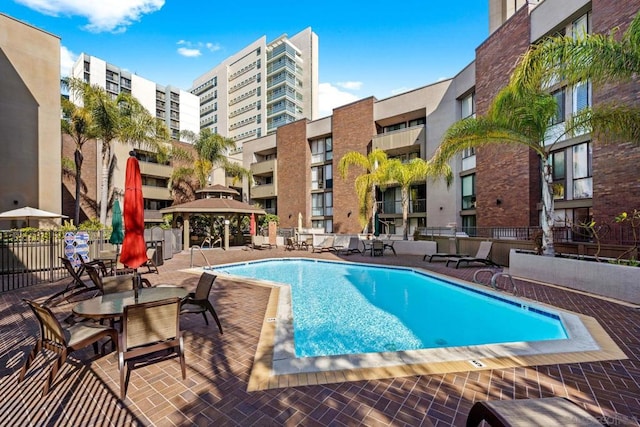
x=29, y=258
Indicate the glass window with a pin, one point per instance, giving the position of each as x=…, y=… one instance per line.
x=317, y=204
x=580, y=96
x=417, y=122
x=469, y=191
x=580, y=27
x=328, y=176
x=328, y=149
x=467, y=105
x=558, y=172
x=328, y=203
x=559, y=96
x=582, y=181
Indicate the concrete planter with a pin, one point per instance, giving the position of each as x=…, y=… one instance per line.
x=602, y=278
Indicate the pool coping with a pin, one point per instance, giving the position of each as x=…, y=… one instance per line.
x=276, y=366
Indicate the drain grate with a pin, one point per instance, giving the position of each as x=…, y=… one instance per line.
x=477, y=364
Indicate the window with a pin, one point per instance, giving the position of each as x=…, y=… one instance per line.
x=582, y=182
x=417, y=122
x=580, y=96
x=321, y=177
x=559, y=174
x=469, y=191
x=469, y=224
x=397, y=126
x=321, y=150
x=467, y=106
x=580, y=27
x=559, y=96
x=317, y=204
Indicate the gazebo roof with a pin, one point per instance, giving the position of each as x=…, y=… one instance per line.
x=217, y=188
x=214, y=205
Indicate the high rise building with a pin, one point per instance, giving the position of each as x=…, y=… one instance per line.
x=263, y=86
x=178, y=108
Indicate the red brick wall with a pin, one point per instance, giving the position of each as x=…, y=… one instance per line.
x=616, y=182
x=353, y=130
x=294, y=174
x=508, y=173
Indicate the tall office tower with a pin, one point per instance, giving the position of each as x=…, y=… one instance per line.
x=263, y=86
x=178, y=108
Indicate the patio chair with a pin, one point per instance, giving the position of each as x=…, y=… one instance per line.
x=453, y=253
x=198, y=301
x=77, y=285
x=62, y=341
x=388, y=245
x=151, y=264
x=352, y=247
x=112, y=284
x=260, y=242
x=482, y=256
x=149, y=328
x=327, y=245
x=547, y=411
x=377, y=248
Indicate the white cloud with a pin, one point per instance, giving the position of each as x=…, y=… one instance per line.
x=113, y=15
x=213, y=47
x=67, y=59
x=350, y=85
x=330, y=97
x=189, y=52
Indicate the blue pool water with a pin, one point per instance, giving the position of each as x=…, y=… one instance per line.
x=341, y=308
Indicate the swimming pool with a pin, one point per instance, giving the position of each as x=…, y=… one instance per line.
x=285, y=359
x=340, y=308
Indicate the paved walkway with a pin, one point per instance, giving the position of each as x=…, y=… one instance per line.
x=218, y=367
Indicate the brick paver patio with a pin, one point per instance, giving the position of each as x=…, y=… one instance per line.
x=218, y=368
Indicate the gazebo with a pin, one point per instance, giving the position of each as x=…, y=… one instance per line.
x=213, y=201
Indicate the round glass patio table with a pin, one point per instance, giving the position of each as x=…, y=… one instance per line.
x=112, y=305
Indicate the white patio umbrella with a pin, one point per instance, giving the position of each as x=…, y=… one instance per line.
x=28, y=213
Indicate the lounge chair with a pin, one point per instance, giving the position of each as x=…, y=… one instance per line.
x=151, y=264
x=327, y=245
x=77, y=285
x=547, y=411
x=149, y=328
x=62, y=341
x=453, y=253
x=352, y=247
x=260, y=242
x=482, y=256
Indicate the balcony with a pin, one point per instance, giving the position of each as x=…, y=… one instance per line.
x=155, y=169
x=395, y=207
x=400, y=140
x=267, y=167
x=156, y=193
x=265, y=191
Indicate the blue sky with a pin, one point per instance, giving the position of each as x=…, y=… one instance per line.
x=374, y=48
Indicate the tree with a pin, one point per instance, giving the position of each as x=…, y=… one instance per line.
x=406, y=174
x=211, y=150
x=516, y=116
x=366, y=182
x=598, y=58
x=77, y=122
x=121, y=119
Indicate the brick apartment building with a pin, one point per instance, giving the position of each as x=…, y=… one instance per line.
x=497, y=186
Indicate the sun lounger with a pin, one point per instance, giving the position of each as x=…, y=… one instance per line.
x=352, y=246
x=482, y=256
x=453, y=253
x=327, y=245
x=260, y=242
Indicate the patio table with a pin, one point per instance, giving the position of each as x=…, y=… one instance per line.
x=111, y=306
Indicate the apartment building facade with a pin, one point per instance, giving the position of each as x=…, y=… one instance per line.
x=176, y=107
x=495, y=186
x=263, y=86
x=29, y=118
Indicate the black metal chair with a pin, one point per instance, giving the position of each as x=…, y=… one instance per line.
x=198, y=301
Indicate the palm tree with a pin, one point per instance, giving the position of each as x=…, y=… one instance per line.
x=77, y=122
x=123, y=119
x=516, y=116
x=406, y=174
x=366, y=182
x=211, y=150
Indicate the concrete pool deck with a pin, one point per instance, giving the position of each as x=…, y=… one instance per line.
x=220, y=367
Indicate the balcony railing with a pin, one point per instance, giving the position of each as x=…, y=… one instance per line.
x=395, y=207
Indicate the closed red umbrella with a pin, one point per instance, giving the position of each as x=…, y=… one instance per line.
x=252, y=224
x=134, y=248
